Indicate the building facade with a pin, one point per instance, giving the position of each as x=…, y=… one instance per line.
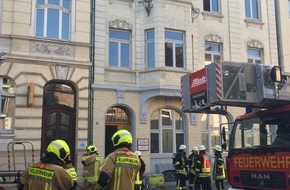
x=44, y=76
x=140, y=51
x=144, y=47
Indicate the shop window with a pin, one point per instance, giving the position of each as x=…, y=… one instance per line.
x=7, y=104
x=167, y=131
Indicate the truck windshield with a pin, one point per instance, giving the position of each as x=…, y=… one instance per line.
x=261, y=131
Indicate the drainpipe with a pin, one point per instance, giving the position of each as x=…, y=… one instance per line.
x=278, y=33
x=91, y=74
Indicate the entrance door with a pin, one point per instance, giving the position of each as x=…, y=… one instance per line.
x=110, y=130
x=58, y=116
x=58, y=124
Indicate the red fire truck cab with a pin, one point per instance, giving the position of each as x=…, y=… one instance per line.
x=259, y=150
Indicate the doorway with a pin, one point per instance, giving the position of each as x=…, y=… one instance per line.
x=59, y=116
x=116, y=118
x=110, y=130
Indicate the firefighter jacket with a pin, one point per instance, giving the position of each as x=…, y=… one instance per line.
x=119, y=170
x=203, y=165
x=48, y=175
x=91, y=167
x=180, y=162
x=192, y=158
x=219, y=168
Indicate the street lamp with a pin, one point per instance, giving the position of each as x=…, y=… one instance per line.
x=148, y=6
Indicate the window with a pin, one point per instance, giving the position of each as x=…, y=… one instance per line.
x=167, y=131
x=150, y=49
x=53, y=19
x=252, y=9
x=7, y=104
x=211, y=125
x=212, y=52
x=119, y=50
x=211, y=5
x=174, y=49
x=254, y=55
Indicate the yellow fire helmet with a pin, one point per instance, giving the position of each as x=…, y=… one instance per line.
x=92, y=149
x=59, y=148
x=122, y=137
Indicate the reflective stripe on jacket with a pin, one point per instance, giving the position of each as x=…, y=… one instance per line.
x=122, y=166
x=47, y=176
x=91, y=168
x=203, y=168
x=219, y=169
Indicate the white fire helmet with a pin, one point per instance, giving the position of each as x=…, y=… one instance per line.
x=194, y=148
x=138, y=153
x=217, y=148
x=201, y=148
x=181, y=147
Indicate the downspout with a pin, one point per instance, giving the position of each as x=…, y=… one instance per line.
x=278, y=33
x=91, y=74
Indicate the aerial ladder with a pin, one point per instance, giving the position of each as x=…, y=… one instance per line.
x=254, y=161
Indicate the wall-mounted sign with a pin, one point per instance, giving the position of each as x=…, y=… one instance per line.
x=143, y=144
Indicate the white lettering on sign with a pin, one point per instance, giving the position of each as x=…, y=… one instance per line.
x=198, y=81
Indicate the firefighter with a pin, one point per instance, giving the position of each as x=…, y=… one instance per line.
x=120, y=167
x=180, y=166
x=219, y=173
x=139, y=178
x=191, y=166
x=91, y=164
x=203, y=169
x=53, y=172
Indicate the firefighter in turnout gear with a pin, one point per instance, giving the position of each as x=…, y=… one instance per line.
x=203, y=169
x=192, y=158
x=180, y=166
x=219, y=173
x=91, y=164
x=139, y=178
x=120, y=168
x=53, y=172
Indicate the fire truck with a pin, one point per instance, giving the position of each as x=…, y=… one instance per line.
x=259, y=140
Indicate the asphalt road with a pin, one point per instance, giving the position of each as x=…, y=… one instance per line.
x=167, y=186
x=171, y=186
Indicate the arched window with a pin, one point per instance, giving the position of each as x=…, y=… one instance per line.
x=167, y=131
x=7, y=104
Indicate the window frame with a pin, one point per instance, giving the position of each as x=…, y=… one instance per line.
x=175, y=43
x=255, y=59
x=212, y=53
x=9, y=95
x=162, y=128
x=120, y=42
x=70, y=11
x=249, y=4
x=150, y=42
x=210, y=3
